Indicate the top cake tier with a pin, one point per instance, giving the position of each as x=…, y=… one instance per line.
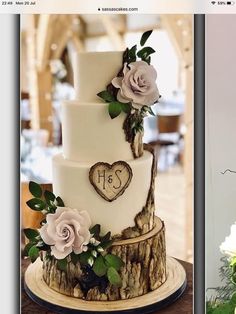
x=93, y=71
x=88, y=132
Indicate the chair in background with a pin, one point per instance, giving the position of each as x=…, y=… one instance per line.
x=25, y=121
x=169, y=135
x=30, y=218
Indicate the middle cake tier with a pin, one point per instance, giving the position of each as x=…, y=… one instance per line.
x=89, y=134
x=72, y=181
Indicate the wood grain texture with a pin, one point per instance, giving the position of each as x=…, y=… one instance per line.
x=176, y=283
x=110, y=181
x=144, y=269
x=145, y=219
x=135, y=140
x=137, y=145
x=185, y=303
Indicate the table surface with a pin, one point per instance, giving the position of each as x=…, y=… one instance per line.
x=184, y=305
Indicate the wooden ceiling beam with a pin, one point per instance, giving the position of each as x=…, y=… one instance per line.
x=123, y=23
x=82, y=27
x=170, y=24
x=60, y=45
x=60, y=38
x=115, y=37
x=32, y=71
x=179, y=28
x=74, y=33
x=77, y=42
x=44, y=40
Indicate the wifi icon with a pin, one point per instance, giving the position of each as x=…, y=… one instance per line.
x=213, y=2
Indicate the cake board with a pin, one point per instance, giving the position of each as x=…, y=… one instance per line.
x=166, y=294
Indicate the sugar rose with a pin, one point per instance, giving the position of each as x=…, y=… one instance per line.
x=66, y=231
x=228, y=247
x=138, y=85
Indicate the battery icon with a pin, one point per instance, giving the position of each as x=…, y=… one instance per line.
x=230, y=2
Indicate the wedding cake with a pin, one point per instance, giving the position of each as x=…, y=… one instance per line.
x=100, y=238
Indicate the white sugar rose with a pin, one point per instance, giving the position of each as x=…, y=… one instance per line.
x=228, y=247
x=66, y=231
x=138, y=85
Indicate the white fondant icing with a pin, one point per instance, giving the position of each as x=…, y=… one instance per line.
x=71, y=183
x=93, y=71
x=90, y=135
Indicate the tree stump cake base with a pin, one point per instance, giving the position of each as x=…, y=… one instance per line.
x=166, y=294
x=144, y=269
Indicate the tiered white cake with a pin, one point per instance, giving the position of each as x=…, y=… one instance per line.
x=89, y=135
x=92, y=139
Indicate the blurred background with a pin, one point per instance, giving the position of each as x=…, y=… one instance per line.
x=47, y=45
x=220, y=139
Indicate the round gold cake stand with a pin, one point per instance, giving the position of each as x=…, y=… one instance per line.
x=168, y=293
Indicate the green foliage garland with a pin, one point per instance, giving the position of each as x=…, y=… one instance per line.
x=96, y=258
x=109, y=95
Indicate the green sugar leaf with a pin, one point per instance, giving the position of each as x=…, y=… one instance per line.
x=49, y=197
x=145, y=37
x=33, y=253
x=95, y=230
x=114, y=277
x=114, y=109
x=144, y=53
x=27, y=247
x=148, y=60
x=126, y=108
x=126, y=55
x=106, y=96
x=60, y=202
x=74, y=258
x=106, y=237
x=84, y=257
x=35, y=189
x=99, y=266
x=150, y=111
x=36, y=204
x=106, y=244
x=114, y=261
x=31, y=233
x=62, y=264
x=132, y=54
x=42, y=246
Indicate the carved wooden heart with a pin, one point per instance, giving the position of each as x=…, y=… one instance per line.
x=110, y=181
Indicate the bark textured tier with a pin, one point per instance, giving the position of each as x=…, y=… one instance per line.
x=144, y=269
x=145, y=219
